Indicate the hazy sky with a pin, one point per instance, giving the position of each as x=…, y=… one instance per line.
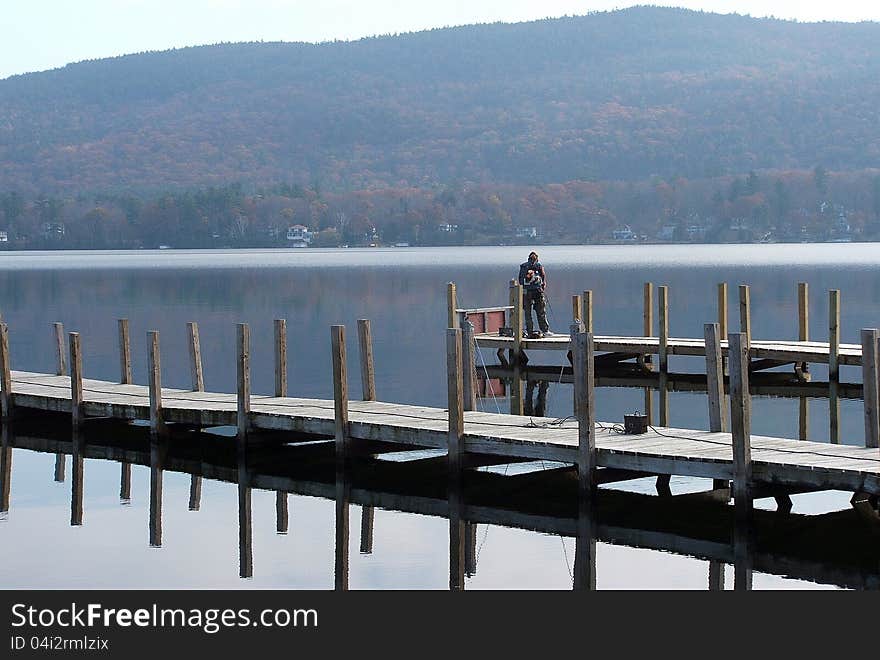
x=44, y=34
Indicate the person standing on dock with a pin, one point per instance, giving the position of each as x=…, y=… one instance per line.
x=534, y=281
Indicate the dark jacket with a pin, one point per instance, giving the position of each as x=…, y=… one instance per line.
x=527, y=266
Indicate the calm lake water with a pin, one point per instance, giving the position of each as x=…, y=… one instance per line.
x=403, y=292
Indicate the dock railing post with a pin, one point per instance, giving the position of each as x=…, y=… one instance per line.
x=587, y=318
x=5, y=374
x=745, y=313
x=663, y=309
x=368, y=375
x=648, y=310
x=834, y=364
x=516, y=301
x=60, y=366
x=803, y=311
x=715, y=385
x=243, y=361
x=451, y=305
x=577, y=313
x=582, y=355
x=454, y=400
x=740, y=420
x=468, y=364
x=125, y=377
x=870, y=388
x=76, y=381
x=280, y=326
x=155, y=385
x=195, y=357
x=340, y=390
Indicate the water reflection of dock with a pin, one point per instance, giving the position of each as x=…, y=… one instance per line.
x=833, y=548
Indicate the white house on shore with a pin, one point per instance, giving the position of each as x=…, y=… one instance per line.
x=299, y=236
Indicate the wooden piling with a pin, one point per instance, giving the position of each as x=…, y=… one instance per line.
x=60, y=467
x=586, y=415
x=60, y=362
x=516, y=301
x=451, y=305
x=745, y=313
x=124, y=353
x=803, y=311
x=5, y=374
x=834, y=364
x=76, y=384
x=577, y=312
x=715, y=385
x=722, y=309
x=834, y=335
x=648, y=310
x=340, y=389
x=195, y=357
x=368, y=375
x=282, y=515
x=77, y=461
x=870, y=387
x=584, y=573
x=245, y=531
x=341, y=564
x=243, y=361
x=663, y=307
x=157, y=470
x=588, y=311
x=714, y=376
x=740, y=418
x=125, y=482
x=468, y=365
x=195, y=493
x=280, y=357
x=455, y=398
x=154, y=381
x=367, y=515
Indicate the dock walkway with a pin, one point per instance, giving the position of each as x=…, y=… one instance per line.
x=660, y=451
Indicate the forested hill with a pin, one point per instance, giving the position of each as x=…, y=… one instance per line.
x=609, y=96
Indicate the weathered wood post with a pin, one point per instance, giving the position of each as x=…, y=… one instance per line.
x=282, y=513
x=243, y=345
x=516, y=361
x=577, y=312
x=468, y=364
x=157, y=425
x=60, y=467
x=584, y=578
x=869, y=384
x=368, y=375
x=125, y=482
x=340, y=390
x=516, y=301
x=722, y=308
x=588, y=311
x=6, y=468
x=715, y=385
x=648, y=310
x=124, y=353
x=663, y=307
x=367, y=516
x=574, y=330
x=195, y=357
x=60, y=366
x=586, y=415
x=714, y=377
x=834, y=364
x=470, y=549
x=454, y=400
x=245, y=526
x=76, y=381
x=745, y=313
x=740, y=420
x=451, y=305
x=195, y=492
x=280, y=326
x=803, y=311
x=5, y=374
